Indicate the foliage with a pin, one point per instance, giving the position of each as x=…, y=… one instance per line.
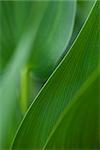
x=36, y=39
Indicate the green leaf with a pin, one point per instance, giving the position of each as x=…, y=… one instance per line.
x=8, y=92
x=9, y=84
x=21, y=24
x=78, y=127
x=83, y=9
x=17, y=18
x=52, y=37
x=59, y=91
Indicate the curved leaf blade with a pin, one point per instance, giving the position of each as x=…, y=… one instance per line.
x=13, y=16
x=17, y=18
x=74, y=70
x=11, y=79
x=78, y=127
x=53, y=37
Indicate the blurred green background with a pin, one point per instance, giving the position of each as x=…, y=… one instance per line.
x=34, y=37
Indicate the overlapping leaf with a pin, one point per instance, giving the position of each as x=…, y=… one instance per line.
x=78, y=127
x=16, y=18
x=52, y=37
x=9, y=84
x=76, y=68
x=83, y=9
x=19, y=24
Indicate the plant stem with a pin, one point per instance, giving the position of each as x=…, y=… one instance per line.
x=24, y=89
